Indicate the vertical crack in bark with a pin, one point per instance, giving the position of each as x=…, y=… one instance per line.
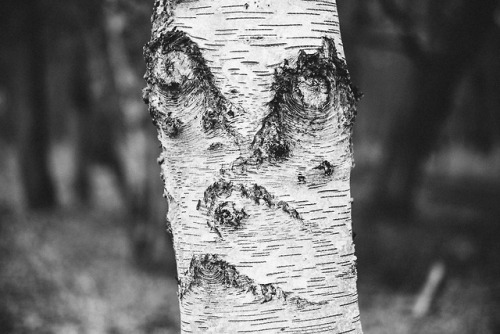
x=179, y=70
x=210, y=270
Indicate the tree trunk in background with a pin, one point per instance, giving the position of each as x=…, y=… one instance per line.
x=438, y=72
x=412, y=137
x=106, y=129
x=254, y=110
x=139, y=150
x=34, y=150
x=82, y=98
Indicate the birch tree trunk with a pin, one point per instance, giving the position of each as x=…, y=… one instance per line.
x=254, y=109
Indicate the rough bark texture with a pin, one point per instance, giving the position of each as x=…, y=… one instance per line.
x=254, y=109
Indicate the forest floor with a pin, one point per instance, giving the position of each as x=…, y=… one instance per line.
x=457, y=226
x=72, y=271
x=456, y=223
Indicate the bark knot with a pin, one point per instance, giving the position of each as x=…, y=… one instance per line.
x=210, y=270
x=176, y=65
x=304, y=96
x=227, y=214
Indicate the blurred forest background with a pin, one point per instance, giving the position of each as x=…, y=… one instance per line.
x=83, y=246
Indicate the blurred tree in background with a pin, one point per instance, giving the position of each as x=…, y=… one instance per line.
x=73, y=78
x=448, y=44
x=25, y=43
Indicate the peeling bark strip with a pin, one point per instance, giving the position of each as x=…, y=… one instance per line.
x=254, y=109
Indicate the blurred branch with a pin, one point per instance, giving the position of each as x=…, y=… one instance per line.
x=427, y=295
x=409, y=40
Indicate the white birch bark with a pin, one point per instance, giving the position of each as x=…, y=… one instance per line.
x=254, y=109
